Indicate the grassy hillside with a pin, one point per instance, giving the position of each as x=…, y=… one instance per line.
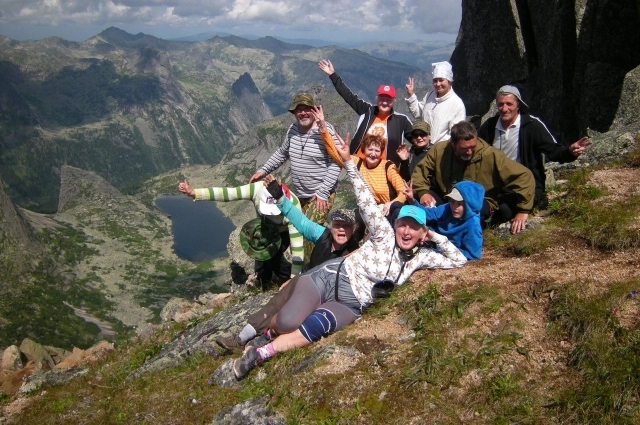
x=543, y=330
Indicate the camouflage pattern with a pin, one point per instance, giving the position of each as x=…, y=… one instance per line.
x=309, y=209
x=260, y=240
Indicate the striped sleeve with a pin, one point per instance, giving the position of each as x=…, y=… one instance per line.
x=225, y=194
x=280, y=156
x=296, y=243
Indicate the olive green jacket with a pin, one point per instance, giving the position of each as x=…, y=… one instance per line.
x=440, y=170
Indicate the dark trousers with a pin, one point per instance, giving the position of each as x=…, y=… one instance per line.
x=277, y=265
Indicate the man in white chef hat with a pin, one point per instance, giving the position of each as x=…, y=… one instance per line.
x=441, y=107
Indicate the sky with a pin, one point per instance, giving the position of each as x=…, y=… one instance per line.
x=332, y=20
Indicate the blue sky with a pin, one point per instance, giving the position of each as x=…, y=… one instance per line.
x=332, y=20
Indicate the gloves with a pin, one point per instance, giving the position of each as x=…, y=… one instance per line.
x=275, y=190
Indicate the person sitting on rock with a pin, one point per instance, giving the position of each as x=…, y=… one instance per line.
x=379, y=119
x=459, y=219
x=334, y=294
x=266, y=264
x=441, y=107
x=330, y=242
x=381, y=175
x=509, y=186
x=525, y=139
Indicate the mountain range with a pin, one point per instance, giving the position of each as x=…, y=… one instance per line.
x=131, y=106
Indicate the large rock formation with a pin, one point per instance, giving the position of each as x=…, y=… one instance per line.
x=569, y=58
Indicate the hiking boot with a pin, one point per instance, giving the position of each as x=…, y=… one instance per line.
x=259, y=341
x=248, y=361
x=230, y=343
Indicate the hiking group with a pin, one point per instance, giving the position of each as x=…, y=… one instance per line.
x=421, y=205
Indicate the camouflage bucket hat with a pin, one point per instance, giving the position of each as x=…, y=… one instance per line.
x=301, y=99
x=260, y=240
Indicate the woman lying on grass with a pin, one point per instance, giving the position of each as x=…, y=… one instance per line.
x=334, y=294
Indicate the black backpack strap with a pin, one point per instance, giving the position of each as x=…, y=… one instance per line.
x=338, y=277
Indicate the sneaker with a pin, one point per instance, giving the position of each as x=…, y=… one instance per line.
x=243, y=365
x=230, y=343
x=259, y=341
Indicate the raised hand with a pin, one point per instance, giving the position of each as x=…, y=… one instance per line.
x=408, y=192
x=318, y=113
x=273, y=187
x=185, y=189
x=403, y=152
x=326, y=66
x=409, y=87
x=343, y=147
x=578, y=147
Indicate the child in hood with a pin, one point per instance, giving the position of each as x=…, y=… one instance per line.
x=459, y=220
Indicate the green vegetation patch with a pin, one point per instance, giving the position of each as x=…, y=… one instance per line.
x=604, y=225
x=605, y=330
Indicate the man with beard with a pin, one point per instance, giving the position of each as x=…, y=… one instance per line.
x=509, y=186
x=314, y=175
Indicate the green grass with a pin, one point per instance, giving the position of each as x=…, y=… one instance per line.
x=606, y=352
x=604, y=225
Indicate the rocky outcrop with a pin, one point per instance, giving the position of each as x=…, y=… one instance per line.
x=19, y=249
x=200, y=338
x=181, y=310
x=247, y=106
x=569, y=58
x=33, y=366
x=628, y=111
x=251, y=412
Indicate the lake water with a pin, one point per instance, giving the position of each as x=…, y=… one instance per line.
x=200, y=230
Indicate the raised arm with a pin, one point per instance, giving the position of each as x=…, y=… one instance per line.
x=307, y=228
x=327, y=139
x=377, y=224
x=276, y=159
x=415, y=106
x=393, y=177
x=357, y=104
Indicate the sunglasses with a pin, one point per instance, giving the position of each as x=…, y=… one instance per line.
x=416, y=135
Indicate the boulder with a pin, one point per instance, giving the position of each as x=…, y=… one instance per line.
x=91, y=354
x=12, y=358
x=628, y=111
x=57, y=354
x=174, y=306
x=50, y=378
x=254, y=411
x=37, y=354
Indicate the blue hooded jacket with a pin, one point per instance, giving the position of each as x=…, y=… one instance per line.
x=466, y=232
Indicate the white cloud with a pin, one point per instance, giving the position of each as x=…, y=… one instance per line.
x=320, y=17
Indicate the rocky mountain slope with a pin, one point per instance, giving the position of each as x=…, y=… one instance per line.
x=132, y=106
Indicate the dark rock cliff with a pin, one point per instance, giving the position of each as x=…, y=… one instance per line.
x=568, y=57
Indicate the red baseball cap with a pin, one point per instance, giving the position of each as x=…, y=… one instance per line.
x=388, y=90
